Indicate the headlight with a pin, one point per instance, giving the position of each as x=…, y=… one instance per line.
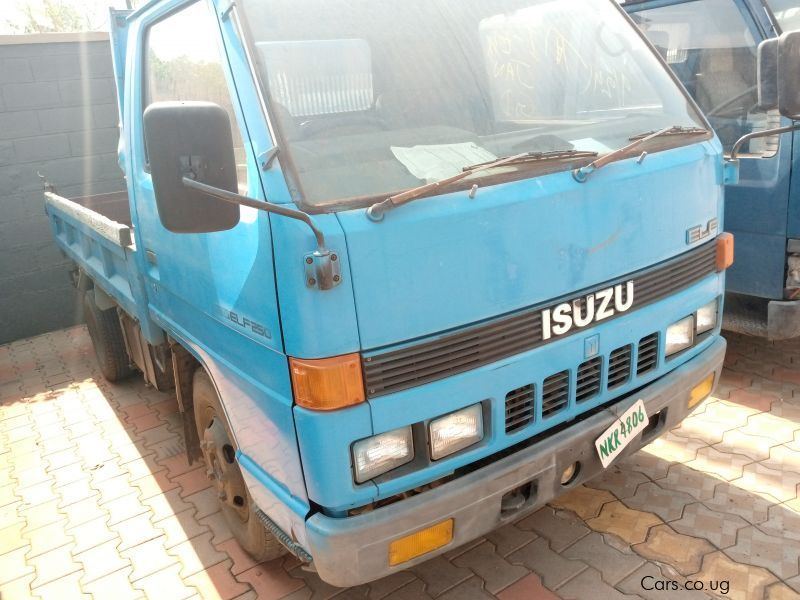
x=706, y=317
x=680, y=335
x=381, y=453
x=455, y=431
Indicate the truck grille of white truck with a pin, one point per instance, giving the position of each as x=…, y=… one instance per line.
x=391, y=371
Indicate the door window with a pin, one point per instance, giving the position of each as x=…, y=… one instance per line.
x=710, y=47
x=183, y=62
x=787, y=12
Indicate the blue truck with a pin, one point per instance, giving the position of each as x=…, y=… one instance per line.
x=711, y=45
x=411, y=269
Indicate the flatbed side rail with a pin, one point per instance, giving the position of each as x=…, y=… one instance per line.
x=99, y=246
x=118, y=233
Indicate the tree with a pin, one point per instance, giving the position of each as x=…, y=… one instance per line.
x=49, y=16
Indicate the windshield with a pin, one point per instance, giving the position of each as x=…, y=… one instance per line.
x=373, y=97
x=787, y=12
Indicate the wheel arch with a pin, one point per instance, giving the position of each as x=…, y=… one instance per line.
x=186, y=361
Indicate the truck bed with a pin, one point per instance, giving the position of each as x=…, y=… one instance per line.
x=113, y=206
x=108, y=214
x=96, y=233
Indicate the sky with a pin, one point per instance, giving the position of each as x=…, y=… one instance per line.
x=97, y=10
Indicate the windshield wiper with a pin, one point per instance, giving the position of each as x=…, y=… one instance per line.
x=531, y=157
x=583, y=173
x=673, y=130
x=377, y=210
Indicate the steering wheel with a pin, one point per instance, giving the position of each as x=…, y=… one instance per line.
x=320, y=126
x=720, y=107
x=623, y=43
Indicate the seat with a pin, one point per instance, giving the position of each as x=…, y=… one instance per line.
x=722, y=89
x=724, y=92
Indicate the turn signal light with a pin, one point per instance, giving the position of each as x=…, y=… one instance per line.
x=327, y=383
x=421, y=542
x=701, y=391
x=724, y=251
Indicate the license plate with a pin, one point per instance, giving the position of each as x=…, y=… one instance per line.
x=621, y=433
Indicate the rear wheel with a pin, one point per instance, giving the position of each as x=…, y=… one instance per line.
x=106, y=334
x=222, y=468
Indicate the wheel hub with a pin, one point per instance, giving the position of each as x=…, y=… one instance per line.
x=222, y=468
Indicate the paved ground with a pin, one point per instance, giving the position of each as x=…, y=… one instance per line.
x=96, y=499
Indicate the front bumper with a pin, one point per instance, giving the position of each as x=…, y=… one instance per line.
x=353, y=550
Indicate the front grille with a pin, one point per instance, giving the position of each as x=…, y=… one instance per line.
x=520, y=407
x=619, y=366
x=588, y=385
x=648, y=354
x=467, y=349
x=555, y=393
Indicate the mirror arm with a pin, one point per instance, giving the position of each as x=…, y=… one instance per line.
x=757, y=134
x=234, y=198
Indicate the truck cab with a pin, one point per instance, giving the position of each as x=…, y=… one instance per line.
x=412, y=269
x=711, y=45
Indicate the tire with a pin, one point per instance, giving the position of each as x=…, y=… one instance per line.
x=219, y=449
x=106, y=335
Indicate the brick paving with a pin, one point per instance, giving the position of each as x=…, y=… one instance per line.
x=97, y=501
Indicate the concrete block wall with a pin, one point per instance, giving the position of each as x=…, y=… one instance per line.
x=58, y=117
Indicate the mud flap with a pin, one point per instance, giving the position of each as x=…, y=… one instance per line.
x=183, y=367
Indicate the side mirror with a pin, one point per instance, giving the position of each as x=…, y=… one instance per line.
x=789, y=74
x=779, y=74
x=778, y=86
x=191, y=139
x=767, y=69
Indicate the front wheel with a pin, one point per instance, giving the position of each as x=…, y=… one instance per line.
x=219, y=452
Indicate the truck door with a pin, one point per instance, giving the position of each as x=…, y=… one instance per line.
x=711, y=46
x=216, y=281
x=216, y=292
